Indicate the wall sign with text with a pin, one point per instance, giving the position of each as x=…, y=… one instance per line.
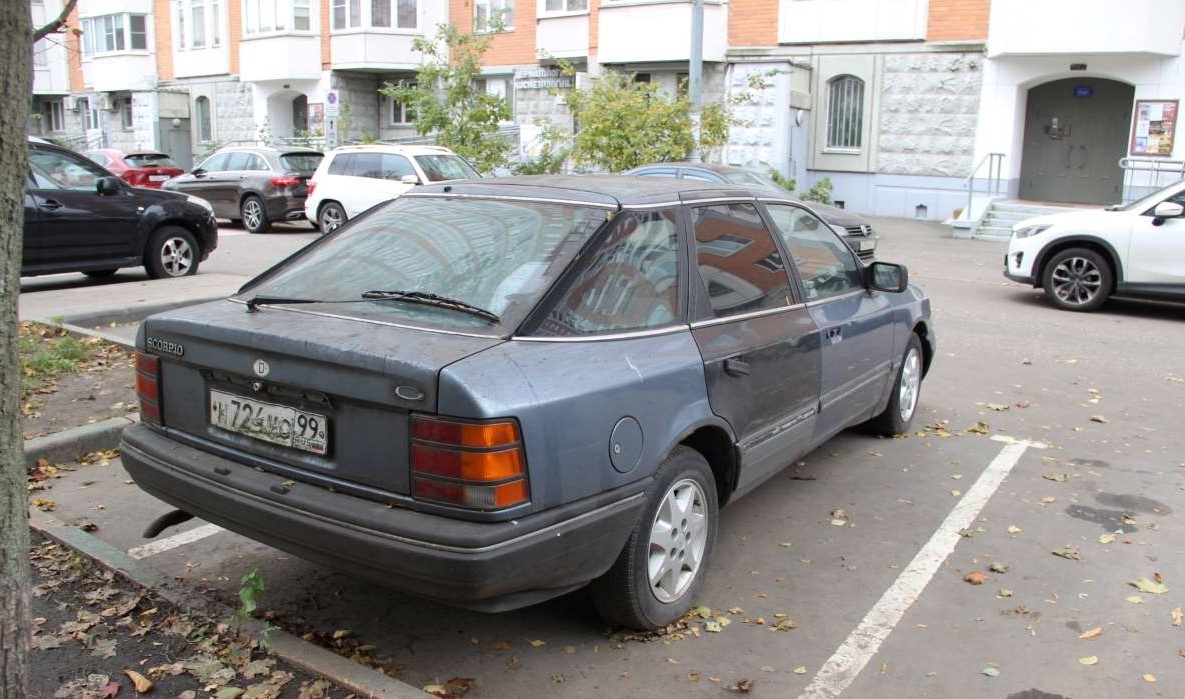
x=1154, y=128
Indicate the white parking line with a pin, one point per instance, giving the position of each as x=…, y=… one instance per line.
x=172, y=542
x=842, y=668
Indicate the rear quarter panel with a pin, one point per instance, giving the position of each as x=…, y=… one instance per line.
x=568, y=396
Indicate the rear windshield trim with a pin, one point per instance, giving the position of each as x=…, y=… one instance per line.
x=509, y=197
x=372, y=321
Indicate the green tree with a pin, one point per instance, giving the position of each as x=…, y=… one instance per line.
x=447, y=101
x=623, y=123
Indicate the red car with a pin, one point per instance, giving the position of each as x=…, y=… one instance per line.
x=137, y=168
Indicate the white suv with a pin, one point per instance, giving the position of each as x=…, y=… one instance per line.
x=351, y=179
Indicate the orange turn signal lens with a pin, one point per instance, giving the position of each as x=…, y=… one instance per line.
x=481, y=435
x=467, y=465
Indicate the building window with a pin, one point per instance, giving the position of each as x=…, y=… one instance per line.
x=266, y=16
x=402, y=113
x=487, y=14
x=54, y=119
x=565, y=6
x=405, y=13
x=113, y=33
x=91, y=117
x=125, y=114
x=197, y=24
x=845, y=115
x=202, y=108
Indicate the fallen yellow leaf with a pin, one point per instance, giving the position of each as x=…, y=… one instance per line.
x=142, y=683
x=537, y=643
x=1177, y=616
x=1135, y=599
x=1089, y=660
x=1106, y=538
x=1149, y=677
x=1093, y=633
x=800, y=670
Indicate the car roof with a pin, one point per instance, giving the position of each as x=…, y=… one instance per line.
x=611, y=190
x=397, y=148
x=272, y=150
x=712, y=167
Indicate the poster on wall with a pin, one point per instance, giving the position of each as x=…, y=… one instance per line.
x=1155, y=127
x=317, y=119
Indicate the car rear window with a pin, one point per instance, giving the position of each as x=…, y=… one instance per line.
x=445, y=167
x=497, y=254
x=149, y=160
x=301, y=162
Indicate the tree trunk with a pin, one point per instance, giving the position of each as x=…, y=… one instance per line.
x=15, y=83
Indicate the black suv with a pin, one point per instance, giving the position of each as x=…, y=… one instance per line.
x=81, y=218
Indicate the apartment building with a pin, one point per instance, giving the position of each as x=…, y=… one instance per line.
x=897, y=102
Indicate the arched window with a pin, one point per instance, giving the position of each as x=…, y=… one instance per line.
x=205, y=132
x=845, y=115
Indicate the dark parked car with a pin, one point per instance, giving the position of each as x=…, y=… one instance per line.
x=855, y=229
x=253, y=185
x=81, y=218
x=493, y=392
x=137, y=168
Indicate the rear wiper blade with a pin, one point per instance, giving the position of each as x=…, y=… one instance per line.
x=254, y=302
x=429, y=299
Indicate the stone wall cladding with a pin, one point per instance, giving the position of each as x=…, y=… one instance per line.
x=929, y=110
x=234, y=113
x=360, y=105
x=752, y=140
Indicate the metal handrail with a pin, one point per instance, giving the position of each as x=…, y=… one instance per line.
x=1156, y=166
x=995, y=176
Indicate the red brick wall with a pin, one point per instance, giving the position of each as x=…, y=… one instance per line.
x=514, y=46
x=953, y=20
x=753, y=22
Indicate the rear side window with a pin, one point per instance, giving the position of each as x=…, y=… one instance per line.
x=149, y=160
x=341, y=164
x=630, y=282
x=367, y=165
x=738, y=260
x=301, y=162
x=395, y=166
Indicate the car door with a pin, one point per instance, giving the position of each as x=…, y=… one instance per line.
x=1156, y=251
x=204, y=182
x=244, y=170
x=77, y=224
x=31, y=246
x=366, y=183
x=854, y=325
x=759, y=343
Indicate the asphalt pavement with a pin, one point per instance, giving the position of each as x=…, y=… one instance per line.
x=990, y=553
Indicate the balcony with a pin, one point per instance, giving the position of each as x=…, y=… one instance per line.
x=280, y=57
x=626, y=31
x=562, y=36
x=1027, y=28
x=120, y=72
x=374, y=49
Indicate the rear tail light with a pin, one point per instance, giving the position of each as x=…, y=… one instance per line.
x=312, y=186
x=286, y=181
x=478, y=465
x=148, y=387
x=135, y=178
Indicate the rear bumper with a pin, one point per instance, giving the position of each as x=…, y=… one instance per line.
x=286, y=208
x=486, y=566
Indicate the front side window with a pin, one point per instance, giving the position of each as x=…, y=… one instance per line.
x=824, y=262
x=490, y=14
x=438, y=168
x=58, y=171
x=114, y=33
x=215, y=163
x=738, y=260
x=845, y=113
x=500, y=255
x=630, y=281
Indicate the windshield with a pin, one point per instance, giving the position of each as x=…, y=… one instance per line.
x=149, y=160
x=301, y=162
x=445, y=167
x=1150, y=200
x=496, y=255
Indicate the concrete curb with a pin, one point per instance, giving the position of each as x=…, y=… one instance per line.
x=67, y=445
x=292, y=649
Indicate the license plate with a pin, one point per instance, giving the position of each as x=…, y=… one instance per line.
x=269, y=422
x=157, y=178
x=866, y=245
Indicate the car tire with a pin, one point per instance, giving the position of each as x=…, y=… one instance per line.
x=662, y=567
x=254, y=215
x=101, y=273
x=907, y=389
x=330, y=216
x=172, y=252
x=1077, y=279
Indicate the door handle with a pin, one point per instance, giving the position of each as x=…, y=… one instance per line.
x=736, y=367
x=50, y=204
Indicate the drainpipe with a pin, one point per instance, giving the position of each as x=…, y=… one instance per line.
x=696, y=74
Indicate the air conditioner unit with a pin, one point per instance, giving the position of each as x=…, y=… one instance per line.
x=70, y=104
x=102, y=101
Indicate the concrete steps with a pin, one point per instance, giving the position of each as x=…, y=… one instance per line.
x=1001, y=216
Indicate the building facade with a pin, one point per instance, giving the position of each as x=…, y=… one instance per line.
x=902, y=104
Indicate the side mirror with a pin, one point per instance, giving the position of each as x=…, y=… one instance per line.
x=198, y=172
x=1168, y=209
x=409, y=179
x=886, y=276
x=107, y=186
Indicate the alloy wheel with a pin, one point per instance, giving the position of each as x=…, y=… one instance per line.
x=252, y=214
x=331, y=217
x=1076, y=281
x=911, y=385
x=176, y=256
x=678, y=538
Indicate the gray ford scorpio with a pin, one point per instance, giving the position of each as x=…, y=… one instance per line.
x=493, y=392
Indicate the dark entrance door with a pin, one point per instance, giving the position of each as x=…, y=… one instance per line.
x=1075, y=133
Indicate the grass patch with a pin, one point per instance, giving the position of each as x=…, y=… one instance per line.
x=49, y=352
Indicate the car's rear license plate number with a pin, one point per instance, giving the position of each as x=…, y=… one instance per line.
x=269, y=422
x=157, y=178
x=866, y=245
